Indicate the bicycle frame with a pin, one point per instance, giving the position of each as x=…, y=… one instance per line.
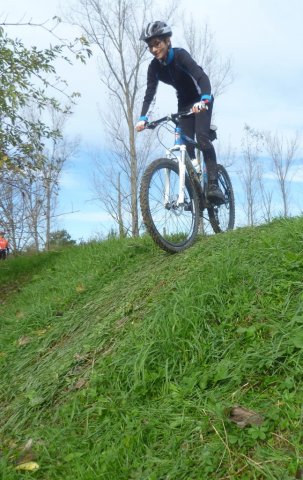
x=185, y=164
x=171, y=187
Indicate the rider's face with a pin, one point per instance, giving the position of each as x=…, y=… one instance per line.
x=158, y=47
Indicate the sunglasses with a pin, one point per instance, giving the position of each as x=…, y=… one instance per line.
x=154, y=44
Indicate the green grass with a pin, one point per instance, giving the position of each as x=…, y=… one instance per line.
x=122, y=362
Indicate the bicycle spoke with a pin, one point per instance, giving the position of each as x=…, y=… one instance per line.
x=173, y=226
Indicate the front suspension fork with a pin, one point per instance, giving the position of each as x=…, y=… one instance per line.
x=182, y=170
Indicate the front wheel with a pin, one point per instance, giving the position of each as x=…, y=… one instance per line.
x=222, y=217
x=172, y=226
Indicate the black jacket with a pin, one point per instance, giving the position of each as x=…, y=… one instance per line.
x=182, y=72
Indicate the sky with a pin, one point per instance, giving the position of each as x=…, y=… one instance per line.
x=263, y=39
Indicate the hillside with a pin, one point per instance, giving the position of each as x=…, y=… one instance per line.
x=121, y=362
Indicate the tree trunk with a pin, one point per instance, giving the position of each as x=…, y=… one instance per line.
x=120, y=217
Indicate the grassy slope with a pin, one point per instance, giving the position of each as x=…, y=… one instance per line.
x=121, y=362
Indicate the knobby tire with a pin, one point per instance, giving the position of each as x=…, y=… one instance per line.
x=154, y=212
x=222, y=217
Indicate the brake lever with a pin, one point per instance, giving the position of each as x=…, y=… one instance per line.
x=151, y=125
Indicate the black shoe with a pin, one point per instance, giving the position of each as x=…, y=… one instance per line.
x=214, y=194
x=188, y=207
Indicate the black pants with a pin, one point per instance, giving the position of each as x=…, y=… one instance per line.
x=3, y=254
x=198, y=126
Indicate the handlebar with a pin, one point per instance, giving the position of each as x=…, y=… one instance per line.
x=173, y=117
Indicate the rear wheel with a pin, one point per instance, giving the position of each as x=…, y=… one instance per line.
x=172, y=226
x=222, y=217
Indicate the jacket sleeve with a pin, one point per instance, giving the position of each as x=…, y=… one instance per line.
x=151, y=88
x=188, y=64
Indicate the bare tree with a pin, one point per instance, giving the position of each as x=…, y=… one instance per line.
x=58, y=153
x=28, y=205
x=250, y=173
x=282, y=153
x=266, y=199
x=33, y=206
x=201, y=45
x=112, y=179
x=12, y=209
x=114, y=28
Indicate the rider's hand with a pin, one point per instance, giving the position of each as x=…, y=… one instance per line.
x=141, y=124
x=202, y=105
x=199, y=106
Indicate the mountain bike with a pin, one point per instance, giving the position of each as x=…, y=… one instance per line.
x=173, y=195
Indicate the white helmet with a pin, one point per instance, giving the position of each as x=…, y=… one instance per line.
x=155, y=29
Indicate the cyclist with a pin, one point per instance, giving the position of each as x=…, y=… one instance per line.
x=4, y=246
x=176, y=67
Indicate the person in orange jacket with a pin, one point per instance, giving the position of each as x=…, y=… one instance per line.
x=4, y=246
